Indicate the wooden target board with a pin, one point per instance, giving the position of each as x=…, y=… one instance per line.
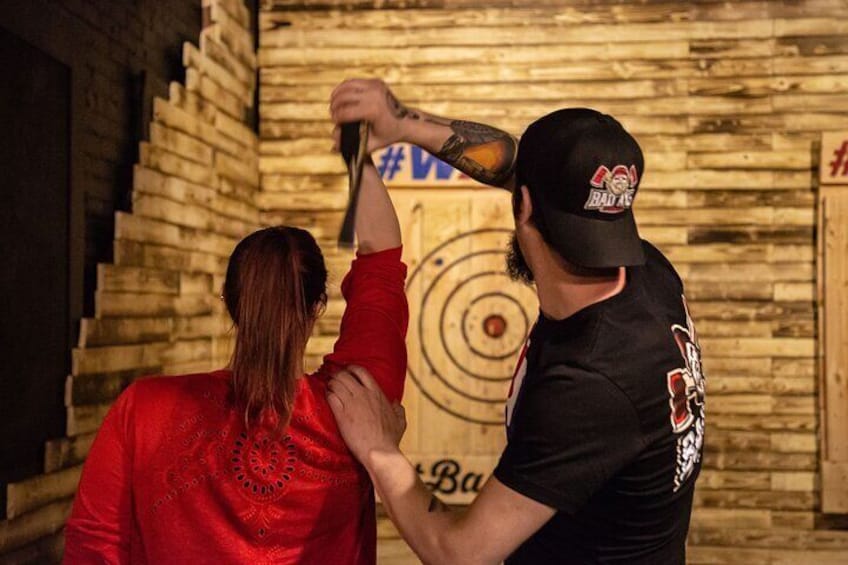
x=468, y=323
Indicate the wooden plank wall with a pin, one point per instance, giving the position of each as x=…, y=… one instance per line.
x=728, y=99
x=157, y=307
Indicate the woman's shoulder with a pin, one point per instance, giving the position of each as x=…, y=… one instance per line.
x=175, y=384
x=157, y=391
x=152, y=405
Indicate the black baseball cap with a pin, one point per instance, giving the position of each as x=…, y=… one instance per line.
x=583, y=169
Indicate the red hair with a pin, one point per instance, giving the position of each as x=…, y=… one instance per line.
x=274, y=288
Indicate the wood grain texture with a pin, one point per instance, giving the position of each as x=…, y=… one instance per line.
x=728, y=101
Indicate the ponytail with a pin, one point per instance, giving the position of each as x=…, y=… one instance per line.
x=275, y=284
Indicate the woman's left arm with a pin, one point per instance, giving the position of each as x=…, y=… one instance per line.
x=99, y=527
x=373, y=328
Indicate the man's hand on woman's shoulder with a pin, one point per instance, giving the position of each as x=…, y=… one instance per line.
x=367, y=421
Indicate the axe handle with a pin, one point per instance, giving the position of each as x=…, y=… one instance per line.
x=354, y=167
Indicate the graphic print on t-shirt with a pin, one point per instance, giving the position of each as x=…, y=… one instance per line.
x=686, y=391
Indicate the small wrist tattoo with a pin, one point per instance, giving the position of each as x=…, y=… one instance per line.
x=398, y=109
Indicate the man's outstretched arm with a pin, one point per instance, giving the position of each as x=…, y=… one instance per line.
x=498, y=521
x=483, y=152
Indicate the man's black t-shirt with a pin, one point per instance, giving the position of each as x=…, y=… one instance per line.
x=605, y=423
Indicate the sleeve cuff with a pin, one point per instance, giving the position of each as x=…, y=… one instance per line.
x=538, y=493
x=386, y=255
x=385, y=265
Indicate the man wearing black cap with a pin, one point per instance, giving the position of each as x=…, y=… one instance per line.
x=605, y=419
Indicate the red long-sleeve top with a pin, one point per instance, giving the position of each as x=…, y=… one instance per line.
x=174, y=476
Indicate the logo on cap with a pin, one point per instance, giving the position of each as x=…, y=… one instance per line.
x=613, y=190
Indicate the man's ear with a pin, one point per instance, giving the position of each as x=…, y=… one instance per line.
x=526, y=209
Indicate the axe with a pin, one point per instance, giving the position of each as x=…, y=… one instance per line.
x=353, y=146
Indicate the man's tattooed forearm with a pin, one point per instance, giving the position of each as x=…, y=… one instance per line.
x=437, y=505
x=482, y=152
x=495, y=150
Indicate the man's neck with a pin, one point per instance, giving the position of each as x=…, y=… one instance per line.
x=563, y=293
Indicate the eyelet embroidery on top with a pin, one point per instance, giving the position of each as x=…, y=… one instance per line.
x=319, y=464
x=262, y=466
x=213, y=448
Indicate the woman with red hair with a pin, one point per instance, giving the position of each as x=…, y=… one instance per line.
x=246, y=464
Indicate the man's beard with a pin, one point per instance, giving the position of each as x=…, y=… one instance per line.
x=516, y=266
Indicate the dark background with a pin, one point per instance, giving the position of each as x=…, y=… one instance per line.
x=79, y=77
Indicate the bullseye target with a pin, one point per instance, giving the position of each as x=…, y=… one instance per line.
x=471, y=325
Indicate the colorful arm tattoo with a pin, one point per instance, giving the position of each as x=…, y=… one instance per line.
x=483, y=152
